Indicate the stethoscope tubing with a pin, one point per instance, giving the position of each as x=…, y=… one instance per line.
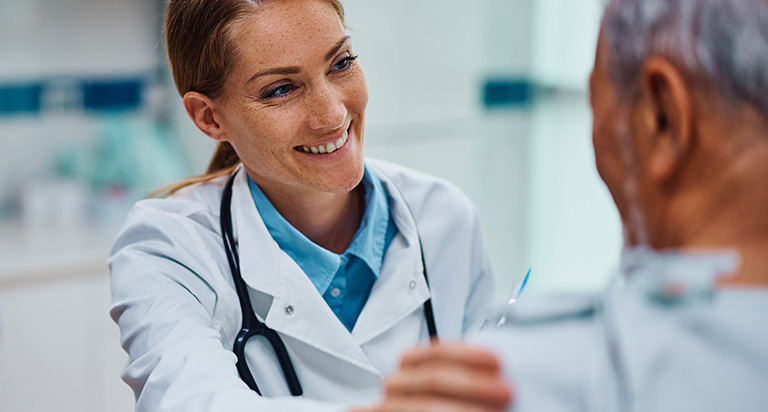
x=252, y=326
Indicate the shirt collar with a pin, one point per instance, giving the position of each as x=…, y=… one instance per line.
x=318, y=263
x=675, y=274
x=370, y=241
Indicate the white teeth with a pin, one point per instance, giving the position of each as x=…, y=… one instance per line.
x=328, y=147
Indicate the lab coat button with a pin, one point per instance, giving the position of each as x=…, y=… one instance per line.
x=412, y=285
x=289, y=310
x=335, y=292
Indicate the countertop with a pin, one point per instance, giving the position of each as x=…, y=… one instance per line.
x=42, y=254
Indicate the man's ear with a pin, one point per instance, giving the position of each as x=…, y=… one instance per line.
x=202, y=110
x=667, y=118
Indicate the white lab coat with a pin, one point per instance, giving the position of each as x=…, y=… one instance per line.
x=178, y=312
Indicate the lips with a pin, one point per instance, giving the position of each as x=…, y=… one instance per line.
x=327, y=148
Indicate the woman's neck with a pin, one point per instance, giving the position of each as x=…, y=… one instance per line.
x=330, y=220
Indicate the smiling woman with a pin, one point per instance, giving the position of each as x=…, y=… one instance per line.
x=306, y=92
x=308, y=244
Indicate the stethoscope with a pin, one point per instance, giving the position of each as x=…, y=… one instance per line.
x=252, y=326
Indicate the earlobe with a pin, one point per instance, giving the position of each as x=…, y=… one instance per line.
x=202, y=110
x=670, y=117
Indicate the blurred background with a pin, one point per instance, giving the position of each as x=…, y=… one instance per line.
x=490, y=95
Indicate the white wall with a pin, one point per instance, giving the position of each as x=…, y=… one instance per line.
x=564, y=40
x=573, y=232
x=508, y=41
x=101, y=37
x=422, y=60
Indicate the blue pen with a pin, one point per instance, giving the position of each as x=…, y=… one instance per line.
x=515, y=295
x=512, y=299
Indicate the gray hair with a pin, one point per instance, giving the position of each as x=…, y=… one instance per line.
x=721, y=44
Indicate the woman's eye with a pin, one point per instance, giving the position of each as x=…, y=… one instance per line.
x=279, y=91
x=344, y=63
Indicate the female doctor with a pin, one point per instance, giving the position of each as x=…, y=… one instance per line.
x=337, y=263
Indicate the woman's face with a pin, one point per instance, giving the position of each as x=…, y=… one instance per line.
x=294, y=105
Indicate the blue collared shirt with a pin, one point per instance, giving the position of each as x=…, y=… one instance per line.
x=345, y=280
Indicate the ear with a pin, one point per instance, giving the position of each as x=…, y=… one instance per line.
x=202, y=110
x=666, y=118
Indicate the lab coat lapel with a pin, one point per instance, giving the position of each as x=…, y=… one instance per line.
x=401, y=287
x=259, y=253
x=297, y=309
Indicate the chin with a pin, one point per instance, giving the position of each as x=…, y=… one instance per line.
x=351, y=181
x=343, y=180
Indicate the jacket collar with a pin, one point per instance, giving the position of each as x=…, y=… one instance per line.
x=400, y=290
x=402, y=283
x=260, y=255
x=269, y=270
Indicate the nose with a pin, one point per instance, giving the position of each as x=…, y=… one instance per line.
x=326, y=109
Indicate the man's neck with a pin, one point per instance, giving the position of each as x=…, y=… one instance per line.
x=753, y=267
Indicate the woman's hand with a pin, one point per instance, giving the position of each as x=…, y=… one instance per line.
x=447, y=378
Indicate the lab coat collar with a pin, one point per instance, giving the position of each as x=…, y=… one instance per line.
x=401, y=283
x=255, y=241
x=400, y=290
x=269, y=270
x=398, y=207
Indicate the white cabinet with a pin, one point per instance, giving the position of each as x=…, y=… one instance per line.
x=59, y=350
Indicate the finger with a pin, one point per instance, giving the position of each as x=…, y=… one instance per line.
x=452, y=353
x=453, y=382
x=435, y=404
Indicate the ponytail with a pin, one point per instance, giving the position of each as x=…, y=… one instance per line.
x=223, y=162
x=224, y=158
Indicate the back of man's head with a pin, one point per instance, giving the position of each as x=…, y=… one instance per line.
x=722, y=44
x=680, y=99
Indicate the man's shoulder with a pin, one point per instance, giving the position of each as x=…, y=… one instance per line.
x=555, y=307
x=551, y=347
x=538, y=322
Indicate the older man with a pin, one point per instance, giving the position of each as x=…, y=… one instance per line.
x=680, y=99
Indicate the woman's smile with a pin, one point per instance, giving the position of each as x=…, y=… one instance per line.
x=329, y=146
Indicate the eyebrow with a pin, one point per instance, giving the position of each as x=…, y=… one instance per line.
x=336, y=48
x=294, y=70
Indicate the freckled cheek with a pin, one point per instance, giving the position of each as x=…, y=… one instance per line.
x=357, y=96
x=262, y=133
